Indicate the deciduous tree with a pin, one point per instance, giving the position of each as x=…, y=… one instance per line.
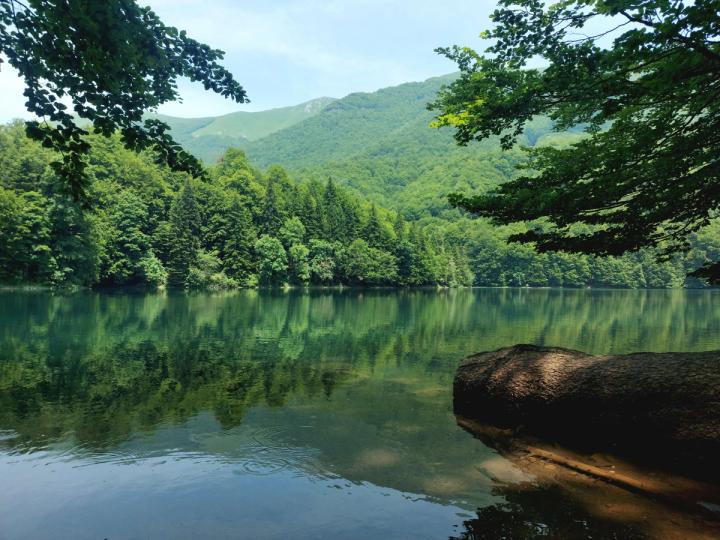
x=647, y=173
x=112, y=60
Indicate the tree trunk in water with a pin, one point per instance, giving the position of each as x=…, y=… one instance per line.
x=661, y=407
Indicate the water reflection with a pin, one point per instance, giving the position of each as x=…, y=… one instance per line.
x=547, y=513
x=316, y=414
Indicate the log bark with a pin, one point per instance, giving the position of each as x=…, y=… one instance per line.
x=661, y=407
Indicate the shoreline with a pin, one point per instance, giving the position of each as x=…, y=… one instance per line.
x=339, y=287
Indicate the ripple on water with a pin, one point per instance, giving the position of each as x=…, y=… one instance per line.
x=7, y=435
x=261, y=451
x=268, y=452
x=249, y=450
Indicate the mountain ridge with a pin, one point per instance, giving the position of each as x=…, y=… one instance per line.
x=380, y=145
x=210, y=136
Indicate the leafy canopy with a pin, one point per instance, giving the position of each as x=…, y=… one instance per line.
x=648, y=173
x=113, y=60
x=150, y=227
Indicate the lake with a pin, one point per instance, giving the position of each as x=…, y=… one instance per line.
x=300, y=414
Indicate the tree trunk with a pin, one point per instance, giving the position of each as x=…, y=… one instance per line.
x=661, y=407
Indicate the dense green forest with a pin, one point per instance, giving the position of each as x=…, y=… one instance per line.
x=378, y=145
x=244, y=227
x=240, y=227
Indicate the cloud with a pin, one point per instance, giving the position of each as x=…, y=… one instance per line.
x=307, y=33
x=288, y=51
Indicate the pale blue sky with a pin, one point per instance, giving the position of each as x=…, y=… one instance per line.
x=289, y=51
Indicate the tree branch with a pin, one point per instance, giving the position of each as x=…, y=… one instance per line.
x=705, y=51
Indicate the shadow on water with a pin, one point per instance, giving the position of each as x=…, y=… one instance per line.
x=546, y=512
x=558, y=508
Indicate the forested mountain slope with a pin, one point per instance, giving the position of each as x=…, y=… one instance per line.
x=379, y=144
x=382, y=146
x=209, y=137
x=242, y=226
x=238, y=227
x=246, y=226
x=351, y=125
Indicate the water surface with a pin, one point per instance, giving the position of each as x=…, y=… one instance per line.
x=319, y=414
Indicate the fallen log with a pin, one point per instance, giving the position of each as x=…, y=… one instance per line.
x=663, y=408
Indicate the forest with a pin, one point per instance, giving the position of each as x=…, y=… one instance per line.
x=243, y=227
x=239, y=227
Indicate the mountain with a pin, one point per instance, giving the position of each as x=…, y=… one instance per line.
x=378, y=144
x=381, y=145
x=353, y=125
x=208, y=138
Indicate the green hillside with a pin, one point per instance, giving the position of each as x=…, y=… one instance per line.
x=209, y=137
x=255, y=125
x=351, y=125
x=381, y=145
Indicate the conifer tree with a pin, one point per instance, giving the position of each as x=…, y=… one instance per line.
x=239, y=245
x=128, y=245
x=351, y=223
x=374, y=233
x=162, y=241
x=272, y=216
x=399, y=228
x=74, y=243
x=407, y=261
x=184, y=219
x=333, y=213
x=423, y=271
x=308, y=213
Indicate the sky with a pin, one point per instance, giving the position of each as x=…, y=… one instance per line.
x=285, y=52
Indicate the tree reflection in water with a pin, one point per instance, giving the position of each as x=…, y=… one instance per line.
x=335, y=384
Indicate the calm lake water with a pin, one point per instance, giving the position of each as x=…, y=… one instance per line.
x=318, y=414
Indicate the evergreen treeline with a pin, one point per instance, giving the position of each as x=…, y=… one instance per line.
x=242, y=227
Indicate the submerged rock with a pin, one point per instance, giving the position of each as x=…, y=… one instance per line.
x=661, y=407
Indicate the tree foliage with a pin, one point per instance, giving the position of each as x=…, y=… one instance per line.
x=112, y=61
x=184, y=220
x=647, y=173
x=150, y=226
x=273, y=260
x=240, y=242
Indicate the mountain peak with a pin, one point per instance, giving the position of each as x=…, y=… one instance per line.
x=209, y=137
